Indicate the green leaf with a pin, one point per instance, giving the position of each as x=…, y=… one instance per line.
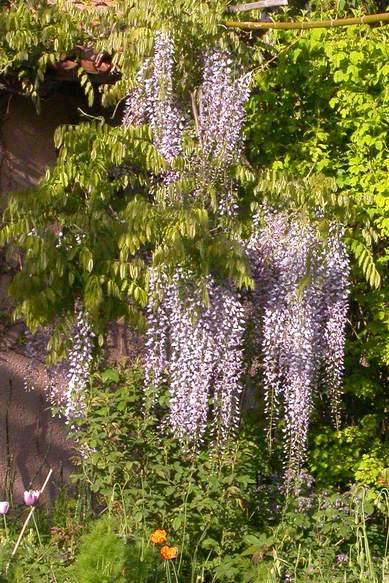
x=110, y=375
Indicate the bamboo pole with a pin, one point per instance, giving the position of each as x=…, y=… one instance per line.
x=304, y=24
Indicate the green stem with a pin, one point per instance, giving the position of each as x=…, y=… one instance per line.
x=36, y=528
x=185, y=517
x=168, y=575
x=175, y=572
x=5, y=526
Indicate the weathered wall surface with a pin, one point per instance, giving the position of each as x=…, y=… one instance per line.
x=31, y=441
x=27, y=139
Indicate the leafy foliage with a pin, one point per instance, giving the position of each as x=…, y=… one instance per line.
x=316, y=140
x=53, y=32
x=223, y=510
x=87, y=232
x=206, y=502
x=102, y=555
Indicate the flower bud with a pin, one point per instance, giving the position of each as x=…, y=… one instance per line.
x=4, y=507
x=31, y=497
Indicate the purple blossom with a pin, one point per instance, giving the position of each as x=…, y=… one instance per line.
x=335, y=295
x=31, y=497
x=80, y=359
x=152, y=101
x=301, y=302
x=223, y=95
x=66, y=380
x=224, y=92
x=197, y=349
x=4, y=507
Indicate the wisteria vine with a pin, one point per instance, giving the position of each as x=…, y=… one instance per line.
x=300, y=303
x=301, y=313
x=65, y=381
x=195, y=348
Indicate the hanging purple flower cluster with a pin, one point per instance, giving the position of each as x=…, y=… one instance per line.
x=65, y=382
x=195, y=348
x=152, y=101
x=197, y=351
x=335, y=292
x=222, y=98
x=223, y=95
x=301, y=298
x=79, y=358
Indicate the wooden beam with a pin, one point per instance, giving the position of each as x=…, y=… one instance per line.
x=304, y=24
x=257, y=5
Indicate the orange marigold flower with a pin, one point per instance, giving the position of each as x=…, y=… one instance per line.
x=158, y=537
x=168, y=553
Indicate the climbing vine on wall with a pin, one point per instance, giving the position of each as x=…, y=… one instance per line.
x=123, y=199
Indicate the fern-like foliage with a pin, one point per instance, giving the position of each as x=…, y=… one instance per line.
x=365, y=261
x=95, y=223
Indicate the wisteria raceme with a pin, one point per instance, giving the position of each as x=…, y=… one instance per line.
x=301, y=302
x=197, y=349
x=224, y=93
x=152, y=100
x=336, y=291
x=157, y=341
x=65, y=382
x=137, y=106
x=165, y=118
x=80, y=358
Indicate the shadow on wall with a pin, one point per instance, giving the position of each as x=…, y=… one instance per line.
x=31, y=440
x=26, y=139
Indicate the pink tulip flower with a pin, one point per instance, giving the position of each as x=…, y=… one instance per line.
x=4, y=507
x=31, y=497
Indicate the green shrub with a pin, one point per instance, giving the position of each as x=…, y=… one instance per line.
x=102, y=555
